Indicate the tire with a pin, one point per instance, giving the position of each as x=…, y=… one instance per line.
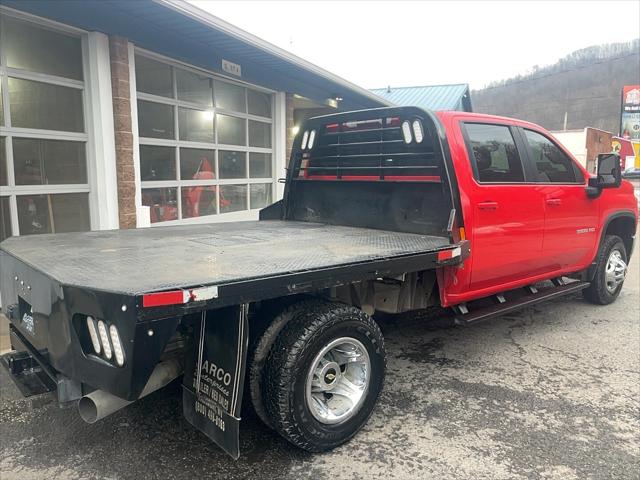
x=602, y=292
x=290, y=394
x=276, y=321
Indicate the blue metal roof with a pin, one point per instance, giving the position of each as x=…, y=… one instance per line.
x=430, y=97
x=181, y=31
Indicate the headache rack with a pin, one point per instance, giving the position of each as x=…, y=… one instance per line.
x=385, y=168
x=392, y=146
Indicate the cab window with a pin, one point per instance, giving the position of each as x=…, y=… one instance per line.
x=551, y=163
x=494, y=154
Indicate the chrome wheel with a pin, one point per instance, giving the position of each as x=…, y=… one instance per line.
x=615, y=271
x=338, y=380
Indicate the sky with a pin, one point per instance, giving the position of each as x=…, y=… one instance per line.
x=377, y=44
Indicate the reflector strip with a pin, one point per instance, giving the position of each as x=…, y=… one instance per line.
x=360, y=177
x=204, y=293
x=179, y=297
x=174, y=297
x=413, y=178
x=449, y=254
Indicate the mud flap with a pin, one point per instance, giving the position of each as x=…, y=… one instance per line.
x=214, y=376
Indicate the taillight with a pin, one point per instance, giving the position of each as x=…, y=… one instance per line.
x=104, y=339
x=93, y=334
x=117, y=346
x=418, y=134
x=406, y=132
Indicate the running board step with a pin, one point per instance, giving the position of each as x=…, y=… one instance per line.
x=510, y=306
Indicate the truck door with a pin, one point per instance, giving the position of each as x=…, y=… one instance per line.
x=508, y=213
x=571, y=217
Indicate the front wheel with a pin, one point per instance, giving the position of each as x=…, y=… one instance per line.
x=324, y=375
x=611, y=269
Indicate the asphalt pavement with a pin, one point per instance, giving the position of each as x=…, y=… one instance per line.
x=550, y=392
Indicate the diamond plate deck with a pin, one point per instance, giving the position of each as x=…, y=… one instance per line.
x=152, y=259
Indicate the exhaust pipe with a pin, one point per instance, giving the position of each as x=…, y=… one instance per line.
x=99, y=404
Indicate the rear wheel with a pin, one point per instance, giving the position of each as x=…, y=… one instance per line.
x=611, y=269
x=323, y=376
x=263, y=344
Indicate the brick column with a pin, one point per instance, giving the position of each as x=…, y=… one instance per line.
x=119, y=57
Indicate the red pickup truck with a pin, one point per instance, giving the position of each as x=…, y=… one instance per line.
x=385, y=210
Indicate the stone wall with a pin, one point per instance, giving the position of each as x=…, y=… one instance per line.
x=119, y=56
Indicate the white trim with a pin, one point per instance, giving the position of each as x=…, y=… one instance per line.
x=103, y=174
x=163, y=142
x=46, y=189
x=42, y=77
x=44, y=134
x=204, y=183
x=4, y=80
x=216, y=23
x=143, y=218
x=11, y=178
x=280, y=147
x=239, y=216
x=13, y=207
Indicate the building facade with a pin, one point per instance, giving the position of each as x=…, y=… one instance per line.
x=130, y=114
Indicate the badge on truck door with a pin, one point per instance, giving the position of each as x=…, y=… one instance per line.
x=214, y=376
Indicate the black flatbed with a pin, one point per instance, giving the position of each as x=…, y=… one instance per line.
x=133, y=262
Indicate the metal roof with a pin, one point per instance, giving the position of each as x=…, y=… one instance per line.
x=431, y=97
x=179, y=30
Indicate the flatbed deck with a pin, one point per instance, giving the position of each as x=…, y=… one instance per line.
x=133, y=262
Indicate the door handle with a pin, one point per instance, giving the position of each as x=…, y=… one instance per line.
x=488, y=205
x=554, y=202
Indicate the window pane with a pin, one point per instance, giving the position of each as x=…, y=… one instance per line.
x=232, y=164
x=197, y=164
x=259, y=165
x=495, y=153
x=41, y=105
x=163, y=203
x=3, y=161
x=259, y=134
x=259, y=103
x=551, y=162
x=5, y=218
x=231, y=130
x=153, y=77
x=36, y=49
x=198, y=201
x=194, y=88
x=157, y=163
x=233, y=198
x=195, y=125
x=155, y=120
x=64, y=212
x=230, y=97
x=260, y=195
x=49, y=162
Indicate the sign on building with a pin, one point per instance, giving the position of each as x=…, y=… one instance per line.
x=630, y=115
x=232, y=68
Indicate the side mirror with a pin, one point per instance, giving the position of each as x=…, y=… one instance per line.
x=608, y=172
